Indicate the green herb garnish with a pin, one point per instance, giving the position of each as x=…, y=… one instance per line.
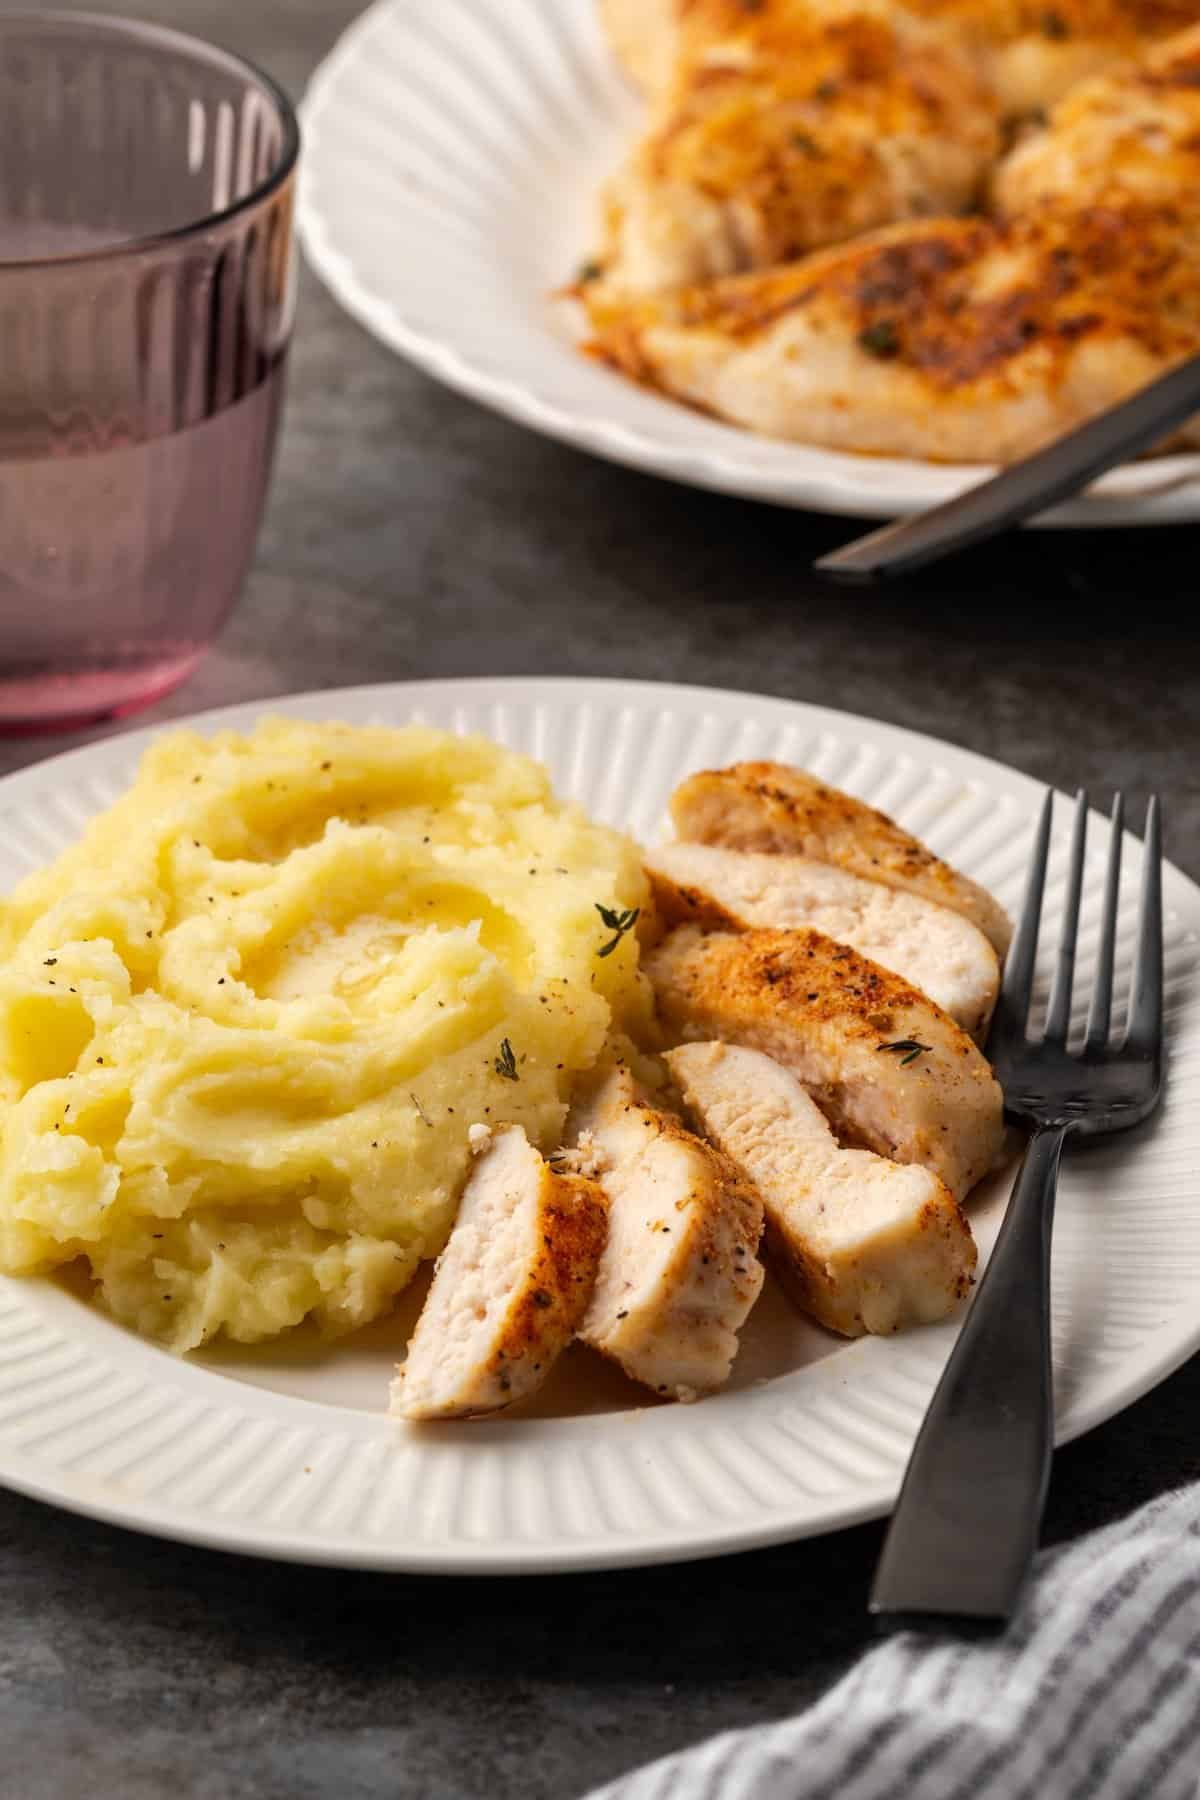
x=907, y=1049
x=880, y=339
x=618, y=923
x=506, y=1063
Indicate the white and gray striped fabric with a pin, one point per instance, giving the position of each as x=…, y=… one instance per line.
x=1092, y=1694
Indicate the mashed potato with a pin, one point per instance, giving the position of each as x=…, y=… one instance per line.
x=247, y=1023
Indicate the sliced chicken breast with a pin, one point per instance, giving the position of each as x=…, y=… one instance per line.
x=861, y=1243
x=938, y=951
x=511, y=1286
x=774, y=809
x=680, y=1270
x=889, y=1069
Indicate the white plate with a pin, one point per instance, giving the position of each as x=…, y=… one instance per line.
x=453, y=152
x=284, y=1452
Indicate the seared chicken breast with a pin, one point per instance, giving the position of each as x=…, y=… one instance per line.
x=1133, y=134
x=1029, y=53
x=511, y=1286
x=890, y=1070
x=791, y=126
x=861, y=1243
x=955, y=340
x=968, y=340
x=938, y=951
x=680, y=1269
x=778, y=810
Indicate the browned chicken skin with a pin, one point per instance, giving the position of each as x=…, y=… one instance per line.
x=680, y=1270
x=772, y=807
x=511, y=1286
x=950, y=339
x=1030, y=52
x=803, y=125
x=889, y=1069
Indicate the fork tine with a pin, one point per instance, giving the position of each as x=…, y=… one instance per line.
x=1018, y=970
x=1058, y=1018
x=1146, y=1002
x=1100, y=1014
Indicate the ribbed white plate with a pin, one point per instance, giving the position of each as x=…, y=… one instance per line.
x=284, y=1451
x=454, y=149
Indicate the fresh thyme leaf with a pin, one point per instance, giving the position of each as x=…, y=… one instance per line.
x=589, y=271
x=506, y=1063
x=880, y=339
x=618, y=923
x=907, y=1049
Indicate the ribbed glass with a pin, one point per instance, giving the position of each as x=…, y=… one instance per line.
x=146, y=302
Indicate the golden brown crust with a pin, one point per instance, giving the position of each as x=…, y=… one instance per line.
x=1123, y=272
x=550, y=1307
x=963, y=339
x=805, y=974
x=796, y=127
x=769, y=807
x=843, y=1024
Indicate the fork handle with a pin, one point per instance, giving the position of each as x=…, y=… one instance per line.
x=966, y=1525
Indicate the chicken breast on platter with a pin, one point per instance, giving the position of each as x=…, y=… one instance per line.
x=511, y=1286
x=680, y=1270
x=861, y=1243
x=957, y=340
x=1131, y=134
x=890, y=1070
x=938, y=951
x=778, y=810
x=789, y=126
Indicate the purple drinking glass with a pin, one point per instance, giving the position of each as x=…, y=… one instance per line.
x=147, y=283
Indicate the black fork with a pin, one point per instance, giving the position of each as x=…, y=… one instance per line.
x=966, y=1524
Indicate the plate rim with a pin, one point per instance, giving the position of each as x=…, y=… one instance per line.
x=625, y=445
x=1160, y=1352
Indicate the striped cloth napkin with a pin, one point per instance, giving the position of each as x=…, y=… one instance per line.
x=1092, y=1694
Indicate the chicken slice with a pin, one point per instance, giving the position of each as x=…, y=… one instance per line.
x=511, y=1286
x=680, y=1270
x=799, y=124
x=779, y=810
x=861, y=1243
x=938, y=951
x=887, y=1067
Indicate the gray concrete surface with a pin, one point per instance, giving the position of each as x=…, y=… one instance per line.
x=410, y=534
